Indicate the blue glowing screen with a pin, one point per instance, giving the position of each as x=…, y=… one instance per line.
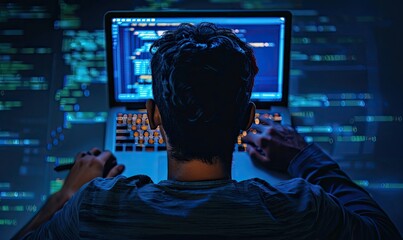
x=132, y=38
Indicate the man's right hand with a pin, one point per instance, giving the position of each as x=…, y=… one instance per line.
x=87, y=166
x=273, y=145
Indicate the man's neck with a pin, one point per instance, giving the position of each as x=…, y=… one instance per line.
x=197, y=170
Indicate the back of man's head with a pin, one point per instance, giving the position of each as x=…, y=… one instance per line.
x=202, y=82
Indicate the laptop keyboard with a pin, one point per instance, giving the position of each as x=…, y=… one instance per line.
x=133, y=133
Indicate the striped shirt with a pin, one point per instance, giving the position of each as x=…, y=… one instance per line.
x=320, y=202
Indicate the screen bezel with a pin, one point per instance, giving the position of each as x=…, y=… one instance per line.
x=134, y=14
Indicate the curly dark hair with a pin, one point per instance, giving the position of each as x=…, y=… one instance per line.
x=202, y=81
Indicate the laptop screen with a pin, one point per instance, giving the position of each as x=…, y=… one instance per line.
x=130, y=35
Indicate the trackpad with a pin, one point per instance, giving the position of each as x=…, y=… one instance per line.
x=243, y=168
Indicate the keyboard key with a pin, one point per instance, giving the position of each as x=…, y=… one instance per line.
x=161, y=148
x=239, y=140
x=241, y=147
x=149, y=148
x=122, y=134
x=127, y=141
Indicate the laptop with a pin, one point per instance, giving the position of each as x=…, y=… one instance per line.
x=128, y=37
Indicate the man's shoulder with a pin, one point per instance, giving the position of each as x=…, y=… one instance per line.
x=117, y=183
x=284, y=184
x=290, y=199
x=296, y=187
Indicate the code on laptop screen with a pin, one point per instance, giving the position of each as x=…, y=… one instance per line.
x=132, y=38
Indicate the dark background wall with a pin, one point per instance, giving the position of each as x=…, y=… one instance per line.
x=345, y=90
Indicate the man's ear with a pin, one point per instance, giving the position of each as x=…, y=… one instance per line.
x=249, y=117
x=153, y=114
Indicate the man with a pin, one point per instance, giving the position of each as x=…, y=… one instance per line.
x=202, y=82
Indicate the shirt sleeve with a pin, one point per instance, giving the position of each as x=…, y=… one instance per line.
x=344, y=208
x=63, y=225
